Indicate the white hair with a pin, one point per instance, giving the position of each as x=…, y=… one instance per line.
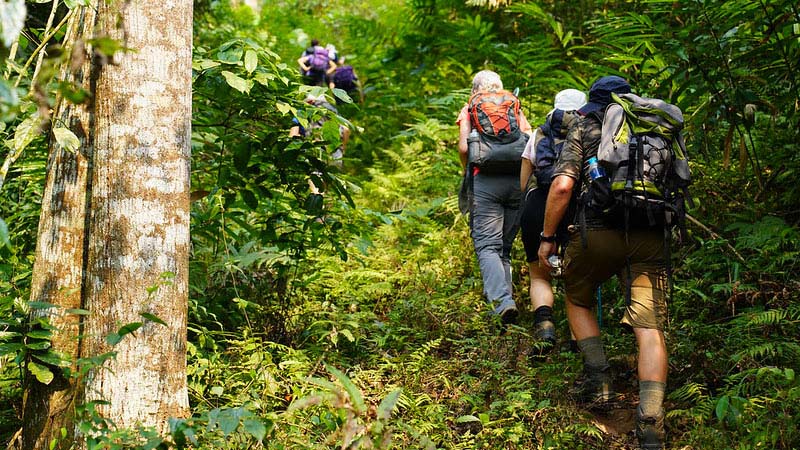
x=486, y=80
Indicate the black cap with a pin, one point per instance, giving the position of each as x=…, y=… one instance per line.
x=600, y=93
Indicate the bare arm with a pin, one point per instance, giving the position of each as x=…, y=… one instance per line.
x=302, y=63
x=525, y=173
x=557, y=203
x=331, y=67
x=463, y=150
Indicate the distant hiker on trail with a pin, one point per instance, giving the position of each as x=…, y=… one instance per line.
x=608, y=242
x=493, y=132
x=345, y=78
x=316, y=64
x=314, y=132
x=333, y=54
x=538, y=161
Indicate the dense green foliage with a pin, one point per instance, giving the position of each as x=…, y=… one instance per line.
x=356, y=319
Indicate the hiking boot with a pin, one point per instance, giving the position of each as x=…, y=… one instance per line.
x=545, y=332
x=650, y=431
x=594, y=387
x=509, y=316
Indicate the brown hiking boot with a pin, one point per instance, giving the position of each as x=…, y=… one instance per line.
x=650, y=431
x=595, y=387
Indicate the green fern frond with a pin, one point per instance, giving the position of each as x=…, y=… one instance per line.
x=691, y=392
x=768, y=317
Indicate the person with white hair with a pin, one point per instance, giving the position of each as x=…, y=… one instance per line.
x=538, y=161
x=494, y=199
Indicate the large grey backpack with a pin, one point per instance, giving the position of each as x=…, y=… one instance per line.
x=643, y=152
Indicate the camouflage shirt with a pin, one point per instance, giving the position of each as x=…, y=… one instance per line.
x=583, y=139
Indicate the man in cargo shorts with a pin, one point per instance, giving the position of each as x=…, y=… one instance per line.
x=636, y=256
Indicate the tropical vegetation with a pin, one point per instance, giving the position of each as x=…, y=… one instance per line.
x=355, y=319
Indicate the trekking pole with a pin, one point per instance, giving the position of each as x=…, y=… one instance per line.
x=599, y=308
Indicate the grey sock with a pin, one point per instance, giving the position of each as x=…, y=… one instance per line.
x=651, y=398
x=594, y=355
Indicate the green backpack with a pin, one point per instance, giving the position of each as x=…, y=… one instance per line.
x=643, y=153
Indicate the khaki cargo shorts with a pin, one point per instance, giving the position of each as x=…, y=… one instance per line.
x=606, y=255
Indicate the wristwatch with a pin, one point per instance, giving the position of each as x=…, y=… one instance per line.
x=544, y=238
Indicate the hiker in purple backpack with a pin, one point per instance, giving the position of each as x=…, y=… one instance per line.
x=345, y=78
x=316, y=64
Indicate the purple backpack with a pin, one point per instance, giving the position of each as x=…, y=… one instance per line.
x=344, y=78
x=319, y=59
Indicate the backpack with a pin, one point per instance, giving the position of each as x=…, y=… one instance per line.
x=318, y=60
x=496, y=143
x=643, y=152
x=549, y=147
x=344, y=78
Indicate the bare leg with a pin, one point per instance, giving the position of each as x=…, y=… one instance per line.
x=652, y=354
x=541, y=290
x=582, y=321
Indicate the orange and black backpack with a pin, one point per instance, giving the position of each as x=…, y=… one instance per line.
x=496, y=142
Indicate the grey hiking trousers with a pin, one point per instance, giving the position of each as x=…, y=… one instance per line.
x=494, y=222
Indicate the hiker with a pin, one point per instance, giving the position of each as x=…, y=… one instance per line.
x=345, y=78
x=316, y=64
x=333, y=54
x=538, y=161
x=492, y=134
x=599, y=247
x=312, y=132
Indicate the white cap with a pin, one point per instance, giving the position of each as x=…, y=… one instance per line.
x=569, y=100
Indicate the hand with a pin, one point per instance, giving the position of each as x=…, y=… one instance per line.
x=545, y=250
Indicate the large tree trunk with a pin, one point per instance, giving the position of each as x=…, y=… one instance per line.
x=58, y=268
x=139, y=225
x=115, y=224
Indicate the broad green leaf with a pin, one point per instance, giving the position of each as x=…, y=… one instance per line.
x=250, y=61
x=722, y=407
x=27, y=132
x=217, y=390
x=342, y=95
x=283, y=107
x=9, y=101
x=4, y=240
x=237, y=82
x=78, y=311
x=52, y=358
x=6, y=349
x=66, y=139
x=352, y=390
x=204, y=64
x=153, y=318
x=115, y=338
x=42, y=373
x=38, y=345
x=263, y=78
x=9, y=334
x=228, y=421
x=388, y=404
x=12, y=19
x=467, y=419
x=230, y=55
x=39, y=334
x=255, y=428
x=41, y=305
